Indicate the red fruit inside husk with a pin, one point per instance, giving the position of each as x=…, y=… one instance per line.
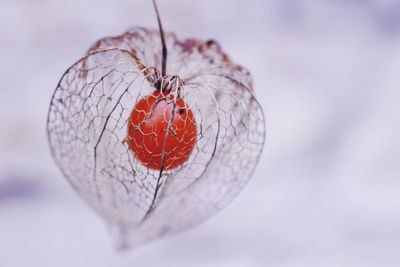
x=150, y=137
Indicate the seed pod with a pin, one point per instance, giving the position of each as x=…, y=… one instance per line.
x=149, y=178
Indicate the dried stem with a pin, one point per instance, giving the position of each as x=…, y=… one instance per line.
x=164, y=47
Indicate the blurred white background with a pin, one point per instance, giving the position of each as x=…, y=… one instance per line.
x=327, y=190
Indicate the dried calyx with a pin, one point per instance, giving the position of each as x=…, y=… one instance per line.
x=145, y=173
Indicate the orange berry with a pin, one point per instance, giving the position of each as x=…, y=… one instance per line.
x=148, y=126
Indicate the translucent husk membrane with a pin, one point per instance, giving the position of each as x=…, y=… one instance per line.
x=87, y=130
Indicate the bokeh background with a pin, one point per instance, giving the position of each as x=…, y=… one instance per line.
x=327, y=189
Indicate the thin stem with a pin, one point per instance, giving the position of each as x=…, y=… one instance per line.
x=164, y=47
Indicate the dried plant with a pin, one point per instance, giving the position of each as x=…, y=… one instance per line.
x=155, y=145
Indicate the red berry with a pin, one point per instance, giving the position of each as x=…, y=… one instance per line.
x=147, y=131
